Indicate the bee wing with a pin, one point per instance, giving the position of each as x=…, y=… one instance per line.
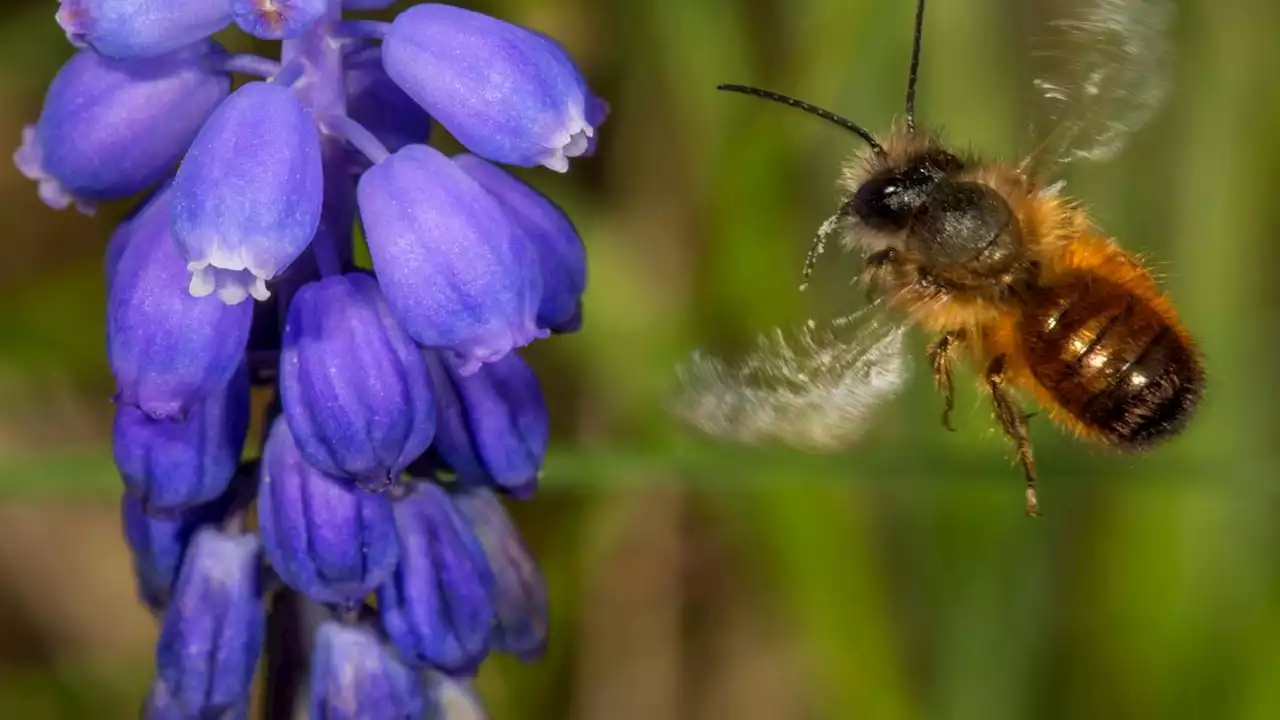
x=815, y=389
x=1102, y=73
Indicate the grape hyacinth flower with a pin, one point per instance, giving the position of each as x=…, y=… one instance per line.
x=175, y=464
x=356, y=675
x=125, y=29
x=437, y=609
x=168, y=349
x=322, y=534
x=481, y=287
x=112, y=128
x=517, y=589
x=398, y=410
x=248, y=196
x=461, y=66
x=159, y=542
x=342, y=346
x=562, y=258
x=493, y=428
x=212, y=632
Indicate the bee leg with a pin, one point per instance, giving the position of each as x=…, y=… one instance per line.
x=876, y=268
x=1014, y=423
x=942, y=355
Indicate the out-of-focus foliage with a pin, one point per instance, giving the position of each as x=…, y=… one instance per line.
x=690, y=580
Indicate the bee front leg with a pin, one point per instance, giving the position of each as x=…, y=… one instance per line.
x=877, y=268
x=942, y=355
x=1014, y=423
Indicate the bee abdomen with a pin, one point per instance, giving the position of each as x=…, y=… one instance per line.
x=1111, y=360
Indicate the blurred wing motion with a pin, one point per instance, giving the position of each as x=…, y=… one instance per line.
x=1102, y=74
x=814, y=391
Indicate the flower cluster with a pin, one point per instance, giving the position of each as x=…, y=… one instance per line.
x=399, y=411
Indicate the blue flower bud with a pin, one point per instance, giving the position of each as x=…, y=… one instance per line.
x=597, y=113
x=116, y=246
x=436, y=608
x=508, y=94
x=325, y=537
x=112, y=128
x=571, y=325
x=353, y=385
x=492, y=426
x=159, y=542
x=119, y=239
x=561, y=255
x=354, y=675
x=451, y=698
x=247, y=198
x=277, y=19
x=167, y=349
x=157, y=545
x=384, y=109
x=454, y=271
x=518, y=593
x=212, y=632
x=172, y=464
x=141, y=28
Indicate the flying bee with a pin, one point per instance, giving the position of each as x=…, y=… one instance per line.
x=993, y=260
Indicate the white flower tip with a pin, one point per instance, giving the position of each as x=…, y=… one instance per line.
x=456, y=698
x=51, y=194
x=233, y=294
x=232, y=285
x=469, y=366
x=557, y=162
x=468, y=361
x=202, y=282
x=577, y=144
x=259, y=289
x=29, y=160
x=575, y=140
x=27, y=157
x=73, y=19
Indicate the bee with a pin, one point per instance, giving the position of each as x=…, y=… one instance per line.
x=993, y=260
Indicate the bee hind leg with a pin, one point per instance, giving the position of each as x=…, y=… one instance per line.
x=1014, y=423
x=942, y=356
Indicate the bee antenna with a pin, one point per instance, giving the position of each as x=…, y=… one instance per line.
x=915, y=66
x=811, y=109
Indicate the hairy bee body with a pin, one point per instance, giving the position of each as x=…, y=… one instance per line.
x=1028, y=288
x=1119, y=368
x=1007, y=272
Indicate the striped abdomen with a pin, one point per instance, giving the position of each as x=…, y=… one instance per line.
x=1111, y=359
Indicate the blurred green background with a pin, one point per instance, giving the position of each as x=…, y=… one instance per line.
x=692, y=580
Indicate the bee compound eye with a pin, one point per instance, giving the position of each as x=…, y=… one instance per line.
x=882, y=204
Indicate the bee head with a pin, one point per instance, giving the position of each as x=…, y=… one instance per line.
x=890, y=198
